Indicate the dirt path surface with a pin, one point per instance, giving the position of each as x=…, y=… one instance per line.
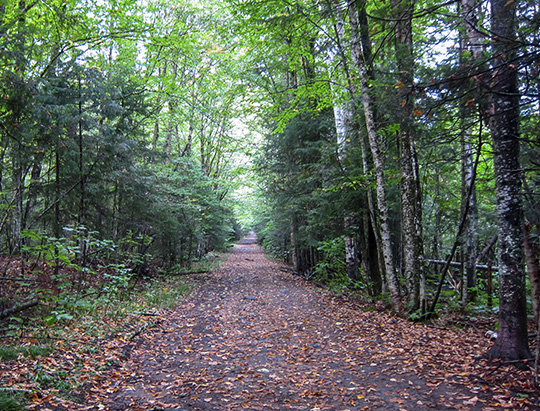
x=257, y=338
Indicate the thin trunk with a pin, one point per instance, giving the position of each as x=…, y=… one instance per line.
x=457, y=241
x=82, y=198
x=533, y=268
x=114, y=225
x=189, y=142
x=168, y=142
x=172, y=128
x=203, y=150
x=413, y=255
x=18, y=179
x=344, y=120
x=489, y=287
x=372, y=243
x=378, y=161
x=470, y=39
x=351, y=249
x=367, y=162
x=18, y=209
x=57, y=193
x=156, y=134
x=161, y=73
x=469, y=247
x=371, y=258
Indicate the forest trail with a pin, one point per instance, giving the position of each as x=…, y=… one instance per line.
x=254, y=337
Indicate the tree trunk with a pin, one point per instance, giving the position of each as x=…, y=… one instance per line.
x=371, y=249
x=378, y=161
x=512, y=342
x=82, y=199
x=469, y=247
x=413, y=254
x=344, y=121
x=471, y=40
x=533, y=268
x=17, y=213
x=351, y=249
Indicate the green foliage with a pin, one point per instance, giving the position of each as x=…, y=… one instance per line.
x=11, y=401
x=167, y=293
x=120, y=122
x=100, y=129
x=332, y=264
x=12, y=352
x=331, y=267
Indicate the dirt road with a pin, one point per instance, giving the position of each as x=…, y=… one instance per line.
x=254, y=337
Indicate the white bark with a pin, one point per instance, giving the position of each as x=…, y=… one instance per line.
x=344, y=120
x=378, y=162
x=413, y=249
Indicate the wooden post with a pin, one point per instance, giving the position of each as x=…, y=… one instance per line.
x=489, y=275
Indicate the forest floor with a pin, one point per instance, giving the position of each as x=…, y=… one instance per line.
x=255, y=337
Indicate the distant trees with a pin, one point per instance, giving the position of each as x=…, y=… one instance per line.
x=114, y=118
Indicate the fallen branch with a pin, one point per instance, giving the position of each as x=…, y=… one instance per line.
x=18, y=308
x=32, y=337
x=486, y=249
x=482, y=267
x=143, y=328
x=18, y=279
x=146, y=314
x=286, y=270
x=191, y=272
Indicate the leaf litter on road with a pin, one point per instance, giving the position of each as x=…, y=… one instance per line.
x=255, y=337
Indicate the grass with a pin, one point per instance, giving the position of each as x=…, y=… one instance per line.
x=166, y=294
x=209, y=262
x=8, y=353
x=11, y=401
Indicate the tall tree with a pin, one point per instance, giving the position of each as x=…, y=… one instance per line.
x=413, y=248
x=512, y=342
x=378, y=156
x=471, y=55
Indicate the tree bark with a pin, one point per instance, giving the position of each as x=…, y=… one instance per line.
x=344, y=121
x=18, y=308
x=512, y=341
x=533, y=268
x=411, y=203
x=370, y=243
x=469, y=247
x=471, y=40
x=378, y=161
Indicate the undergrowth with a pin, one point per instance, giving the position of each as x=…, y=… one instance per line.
x=11, y=400
x=58, y=346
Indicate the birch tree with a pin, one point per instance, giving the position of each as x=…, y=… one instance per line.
x=378, y=157
x=413, y=248
x=346, y=131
